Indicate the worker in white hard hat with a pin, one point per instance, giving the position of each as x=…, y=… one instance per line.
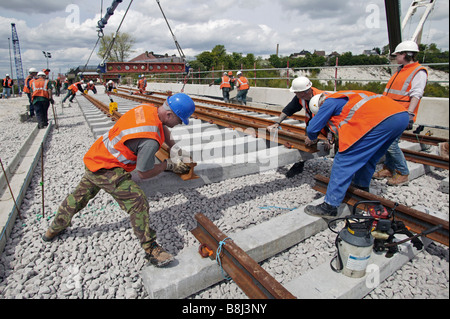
x=111, y=85
x=304, y=91
x=7, y=84
x=226, y=85
x=407, y=87
x=27, y=89
x=41, y=97
x=243, y=86
x=91, y=86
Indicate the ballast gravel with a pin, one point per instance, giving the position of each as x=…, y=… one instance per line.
x=99, y=257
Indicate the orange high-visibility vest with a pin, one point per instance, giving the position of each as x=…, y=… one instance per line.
x=400, y=84
x=7, y=82
x=40, y=88
x=225, y=82
x=363, y=111
x=243, y=83
x=109, y=151
x=74, y=87
x=27, y=86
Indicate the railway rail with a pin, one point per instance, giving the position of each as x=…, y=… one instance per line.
x=291, y=136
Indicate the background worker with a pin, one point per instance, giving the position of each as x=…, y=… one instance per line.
x=27, y=88
x=366, y=125
x=304, y=91
x=41, y=97
x=91, y=86
x=243, y=87
x=130, y=145
x=72, y=91
x=225, y=86
x=7, y=84
x=142, y=84
x=110, y=86
x=406, y=87
x=58, y=85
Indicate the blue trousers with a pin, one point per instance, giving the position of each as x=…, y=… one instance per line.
x=395, y=159
x=358, y=163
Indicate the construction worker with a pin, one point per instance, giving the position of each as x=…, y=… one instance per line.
x=225, y=86
x=406, y=87
x=111, y=85
x=142, y=84
x=41, y=97
x=366, y=124
x=91, y=86
x=58, y=85
x=130, y=145
x=304, y=91
x=243, y=87
x=27, y=88
x=7, y=84
x=72, y=90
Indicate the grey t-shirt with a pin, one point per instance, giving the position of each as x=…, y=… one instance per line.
x=145, y=150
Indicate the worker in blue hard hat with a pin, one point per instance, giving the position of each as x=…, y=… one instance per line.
x=130, y=145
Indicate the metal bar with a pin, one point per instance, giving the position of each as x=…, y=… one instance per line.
x=426, y=159
x=416, y=220
x=247, y=273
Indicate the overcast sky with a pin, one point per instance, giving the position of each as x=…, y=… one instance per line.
x=67, y=28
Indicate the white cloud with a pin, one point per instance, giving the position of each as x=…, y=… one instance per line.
x=251, y=26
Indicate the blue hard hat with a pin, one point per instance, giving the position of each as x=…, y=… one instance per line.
x=182, y=105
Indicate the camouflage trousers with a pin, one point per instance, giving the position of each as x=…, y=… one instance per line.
x=118, y=183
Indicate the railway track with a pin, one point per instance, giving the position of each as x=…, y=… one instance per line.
x=291, y=136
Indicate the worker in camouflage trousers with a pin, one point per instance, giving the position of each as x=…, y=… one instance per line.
x=131, y=144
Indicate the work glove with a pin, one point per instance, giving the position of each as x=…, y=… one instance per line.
x=177, y=153
x=177, y=166
x=52, y=101
x=411, y=121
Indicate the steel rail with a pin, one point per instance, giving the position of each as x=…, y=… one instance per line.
x=254, y=281
x=406, y=136
x=291, y=136
x=416, y=220
x=162, y=154
x=426, y=159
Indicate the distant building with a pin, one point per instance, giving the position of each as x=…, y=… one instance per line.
x=152, y=57
x=333, y=55
x=301, y=54
x=319, y=53
x=370, y=52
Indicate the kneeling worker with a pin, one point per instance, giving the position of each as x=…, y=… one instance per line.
x=130, y=144
x=366, y=125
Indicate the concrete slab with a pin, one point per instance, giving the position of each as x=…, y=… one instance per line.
x=190, y=273
x=22, y=168
x=323, y=283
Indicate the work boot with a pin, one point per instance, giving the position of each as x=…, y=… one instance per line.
x=323, y=210
x=296, y=169
x=50, y=235
x=157, y=256
x=398, y=179
x=383, y=173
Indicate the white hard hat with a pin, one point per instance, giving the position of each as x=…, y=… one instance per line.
x=32, y=70
x=300, y=84
x=238, y=73
x=406, y=46
x=315, y=102
x=7, y=74
x=41, y=73
x=91, y=82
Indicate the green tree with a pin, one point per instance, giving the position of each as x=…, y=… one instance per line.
x=121, y=49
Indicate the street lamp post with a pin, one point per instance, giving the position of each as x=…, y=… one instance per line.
x=47, y=55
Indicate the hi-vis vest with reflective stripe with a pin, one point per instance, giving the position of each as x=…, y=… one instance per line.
x=243, y=83
x=40, y=88
x=363, y=111
x=109, y=151
x=225, y=82
x=74, y=87
x=400, y=83
x=27, y=86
